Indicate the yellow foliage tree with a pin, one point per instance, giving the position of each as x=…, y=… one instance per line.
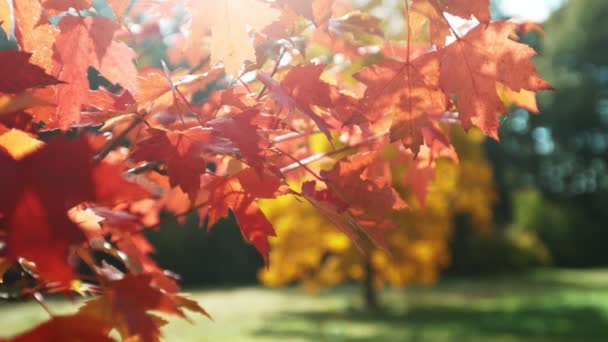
x=309, y=249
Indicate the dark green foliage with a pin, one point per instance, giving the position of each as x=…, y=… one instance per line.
x=218, y=257
x=563, y=152
x=506, y=250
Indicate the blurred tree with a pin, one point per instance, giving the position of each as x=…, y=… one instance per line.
x=310, y=250
x=192, y=252
x=564, y=151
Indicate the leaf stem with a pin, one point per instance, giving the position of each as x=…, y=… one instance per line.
x=274, y=71
x=300, y=164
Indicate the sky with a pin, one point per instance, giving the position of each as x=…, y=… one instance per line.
x=534, y=10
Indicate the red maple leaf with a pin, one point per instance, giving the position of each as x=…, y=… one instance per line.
x=126, y=303
x=18, y=74
x=72, y=328
x=37, y=192
x=239, y=194
x=408, y=90
x=303, y=89
x=182, y=153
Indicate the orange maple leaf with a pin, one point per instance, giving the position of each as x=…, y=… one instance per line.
x=472, y=66
x=239, y=194
x=410, y=90
x=439, y=27
x=85, y=42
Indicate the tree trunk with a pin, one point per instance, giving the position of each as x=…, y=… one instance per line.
x=370, y=294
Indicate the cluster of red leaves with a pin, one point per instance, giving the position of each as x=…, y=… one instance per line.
x=86, y=170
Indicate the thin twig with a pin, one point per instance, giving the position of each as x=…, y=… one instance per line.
x=143, y=168
x=314, y=174
x=319, y=156
x=117, y=140
x=292, y=136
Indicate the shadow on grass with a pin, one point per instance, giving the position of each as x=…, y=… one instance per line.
x=535, y=280
x=443, y=323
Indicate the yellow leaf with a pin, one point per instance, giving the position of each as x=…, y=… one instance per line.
x=228, y=21
x=19, y=144
x=14, y=103
x=524, y=98
x=309, y=249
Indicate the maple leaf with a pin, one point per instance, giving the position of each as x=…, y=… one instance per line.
x=34, y=34
x=111, y=187
x=158, y=92
x=239, y=194
x=34, y=207
x=128, y=313
x=19, y=144
x=365, y=190
x=332, y=207
x=85, y=42
x=118, y=67
x=182, y=152
x=302, y=89
x=22, y=101
x=16, y=119
x=18, y=74
x=439, y=27
x=303, y=8
x=355, y=225
x=342, y=30
x=119, y=7
x=229, y=150
x=241, y=129
x=421, y=167
x=322, y=11
x=137, y=249
x=524, y=98
x=153, y=87
x=38, y=189
x=410, y=90
x=72, y=328
x=104, y=105
x=228, y=21
x=358, y=198
x=472, y=66
x=56, y=6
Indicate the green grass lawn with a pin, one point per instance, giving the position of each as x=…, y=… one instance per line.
x=544, y=306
